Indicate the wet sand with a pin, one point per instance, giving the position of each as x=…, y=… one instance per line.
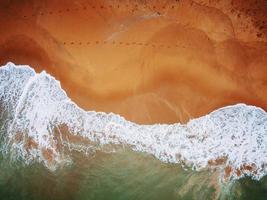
x=150, y=61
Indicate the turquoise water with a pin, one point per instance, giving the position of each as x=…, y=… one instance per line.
x=120, y=176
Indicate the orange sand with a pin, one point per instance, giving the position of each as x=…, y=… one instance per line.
x=150, y=61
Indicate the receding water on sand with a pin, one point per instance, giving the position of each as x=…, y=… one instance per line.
x=121, y=175
x=52, y=149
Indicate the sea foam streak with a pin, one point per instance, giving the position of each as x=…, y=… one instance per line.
x=33, y=106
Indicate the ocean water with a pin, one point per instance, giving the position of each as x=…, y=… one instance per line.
x=119, y=176
x=52, y=149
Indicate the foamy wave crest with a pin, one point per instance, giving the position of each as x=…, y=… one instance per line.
x=38, y=120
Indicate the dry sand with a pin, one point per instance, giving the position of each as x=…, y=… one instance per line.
x=150, y=61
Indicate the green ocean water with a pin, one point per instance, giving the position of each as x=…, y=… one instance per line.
x=119, y=176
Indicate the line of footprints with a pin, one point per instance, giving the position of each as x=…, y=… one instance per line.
x=131, y=8
x=120, y=43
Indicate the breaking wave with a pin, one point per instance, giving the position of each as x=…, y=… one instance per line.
x=38, y=121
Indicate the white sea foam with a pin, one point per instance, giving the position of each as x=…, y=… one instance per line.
x=33, y=105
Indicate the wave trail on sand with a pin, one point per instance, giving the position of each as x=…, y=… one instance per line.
x=35, y=111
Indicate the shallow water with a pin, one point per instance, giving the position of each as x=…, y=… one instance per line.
x=121, y=175
x=42, y=126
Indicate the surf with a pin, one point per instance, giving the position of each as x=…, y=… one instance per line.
x=39, y=121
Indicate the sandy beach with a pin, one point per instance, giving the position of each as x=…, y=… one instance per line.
x=149, y=61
